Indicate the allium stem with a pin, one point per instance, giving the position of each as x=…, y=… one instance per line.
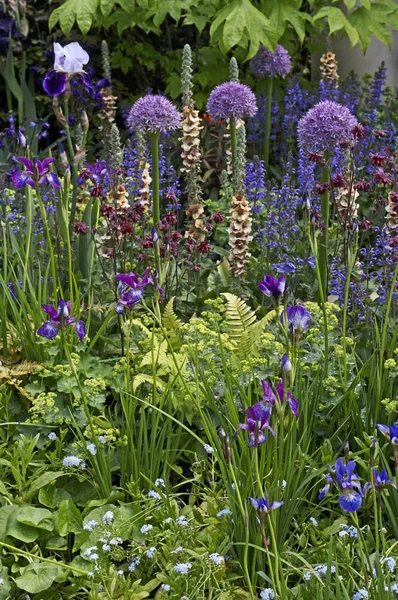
x=232, y=129
x=323, y=242
x=267, y=130
x=155, y=179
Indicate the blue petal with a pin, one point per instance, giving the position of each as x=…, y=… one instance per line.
x=54, y=83
x=80, y=328
x=21, y=178
x=350, y=502
x=48, y=330
x=53, y=180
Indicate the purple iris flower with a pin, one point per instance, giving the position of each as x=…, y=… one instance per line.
x=35, y=170
x=381, y=479
x=258, y=418
x=298, y=318
x=346, y=481
x=263, y=507
x=289, y=398
x=68, y=61
x=391, y=433
x=272, y=287
x=286, y=365
x=60, y=319
x=131, y=289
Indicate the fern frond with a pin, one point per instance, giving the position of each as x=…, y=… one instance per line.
x=157, y=355
x=239, y=317
x=248, y=342
x=170, y=320
x=141, y=378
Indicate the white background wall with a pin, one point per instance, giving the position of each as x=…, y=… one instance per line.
x=354, y=59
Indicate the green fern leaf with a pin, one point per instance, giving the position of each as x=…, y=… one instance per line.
x=141, y=378
x=239, y=316
x=170, y=320
x=250, y=337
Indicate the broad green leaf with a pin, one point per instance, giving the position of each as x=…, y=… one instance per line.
x=52, y=496
x=5, y=587
x=35, y=517
x=41, y=481
x=337, y=20
x=234, y=26
x=69, y=518
x=350, y=4
x=38, y=577
x=106, y=7
x=10, y=526
x=366, y=4
x=368, y=22
x=383, y=33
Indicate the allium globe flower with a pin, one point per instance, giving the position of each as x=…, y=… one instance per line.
x=324, y=126
x=271, y=64
x=231, y=100
x=154, y=113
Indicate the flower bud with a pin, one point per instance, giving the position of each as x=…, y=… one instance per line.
x=84, y=121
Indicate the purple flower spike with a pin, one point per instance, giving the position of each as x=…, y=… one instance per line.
x=258, y=418
x=232, y=100
x=325, y=126
x=391, y=433
x=272, y=287
x=271, y=64
x=131, y=289
x=298, y=318
x=154, y=113
x=60, y=318
x=346, y=481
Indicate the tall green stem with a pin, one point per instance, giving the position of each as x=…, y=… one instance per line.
x=323, y=242
x=156, y=196
x=155, y=179
x=232, y=129
x=267, y=130
x=49, y=242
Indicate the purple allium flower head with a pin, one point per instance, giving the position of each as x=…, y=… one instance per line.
x=257, y=417
x=347, y=483
x=324, y=126
x=154, y=113
x=271, y=64
x=232, y=100
x=391, y=433
x=58, y=319
x=272, y=287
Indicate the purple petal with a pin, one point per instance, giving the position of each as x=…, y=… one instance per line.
x=280, y=391
x=53, y=180
x=62, y=309
x=119, y=309
x=324, y=491
x=50, y=310
x=80, y=328
x=48, y=330
x=21, y=178
x=293, y=406
x=254, y=502
x=268, y=394
x=384, y=430
x=255, y=439
x=129, y=279
x=276, y=504
x=47, y=161
x=146, y=278
x=86, y=82
x=350, y=502
x=54, y=83
x=27, y=163
x=262, y=410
